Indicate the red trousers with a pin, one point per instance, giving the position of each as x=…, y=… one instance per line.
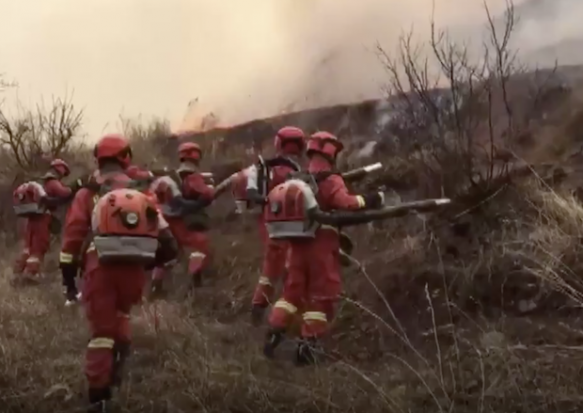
x=109, y=293
x=37, y=238
x=195, y=243
x=312, y=285
x=275, y=257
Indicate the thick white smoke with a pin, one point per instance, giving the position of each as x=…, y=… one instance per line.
x=242, y=59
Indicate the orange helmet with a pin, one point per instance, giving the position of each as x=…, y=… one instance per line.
x=61, y=167
x=325, y=144
x=189, y=151
x=113, y=146
x=289, y=134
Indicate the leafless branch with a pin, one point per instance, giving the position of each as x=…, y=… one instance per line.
x=33, y=135
x=449, y=112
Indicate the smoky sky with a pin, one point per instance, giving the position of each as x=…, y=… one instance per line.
x=241, y=58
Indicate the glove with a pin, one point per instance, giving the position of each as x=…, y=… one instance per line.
x=69, y=272
x=167, y=251
x=375, y=200
x=55, y=225
x=77, y=185
x=187, y=206
x=92, y=184
x=253, y=196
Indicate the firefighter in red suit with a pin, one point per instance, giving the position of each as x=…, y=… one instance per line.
x=190, y=230
x=37, y=234
x=313, y=282
x=109, y=290
x=289, y=144
x=136, y=174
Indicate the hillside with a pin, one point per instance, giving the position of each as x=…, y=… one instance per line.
x=369, y=120
x=566, y=51
x=475, y=308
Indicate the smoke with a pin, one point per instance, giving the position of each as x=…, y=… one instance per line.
x=238, y=59
x=314, y=53
x=546, y=23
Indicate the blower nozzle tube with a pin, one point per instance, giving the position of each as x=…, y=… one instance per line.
x=343, y=219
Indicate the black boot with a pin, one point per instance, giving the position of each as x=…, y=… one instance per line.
x=121, y=352
x=99, y=400
x=307, y=352
x=257, y=312
x=71, y=296
x=197, y=279
x=273, y=339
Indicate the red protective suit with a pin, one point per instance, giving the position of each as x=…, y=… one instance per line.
x=109, y=293
x=36, y=234
x=193, y=241
x=275, y=251
x=313, y=282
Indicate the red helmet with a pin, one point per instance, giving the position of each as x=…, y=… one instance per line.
x=114, y=146
x=325, y=144
x=289, y=134
x=61, y=167
x=189, y=151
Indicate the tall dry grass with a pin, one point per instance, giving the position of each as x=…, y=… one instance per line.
x=461, y=312
x=424, y=353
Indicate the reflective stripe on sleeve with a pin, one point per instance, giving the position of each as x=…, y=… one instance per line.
x=315, y=316
x=101, y=342
x=284, y=305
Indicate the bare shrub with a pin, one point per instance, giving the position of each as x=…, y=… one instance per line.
x=457, y=125
x=150, y=141
x=29, y=141
x=5, y=84
x=31, y=138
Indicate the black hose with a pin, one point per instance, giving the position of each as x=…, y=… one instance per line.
x=349, y=218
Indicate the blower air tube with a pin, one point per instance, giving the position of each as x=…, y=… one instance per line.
x=224, y=185
x=344, y=219
x=359, y=173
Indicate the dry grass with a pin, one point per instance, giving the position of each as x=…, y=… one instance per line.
x=553, y=248
x=423, y=353
x=474, y=310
